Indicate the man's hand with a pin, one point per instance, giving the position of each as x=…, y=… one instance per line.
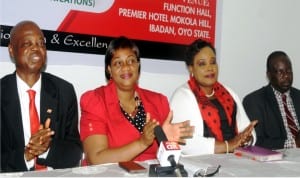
x=39, y=142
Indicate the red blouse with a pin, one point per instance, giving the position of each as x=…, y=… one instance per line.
x=101, y=114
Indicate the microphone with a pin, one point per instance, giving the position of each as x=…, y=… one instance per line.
x=160, y=134
x=168, y=152
x=168, y=156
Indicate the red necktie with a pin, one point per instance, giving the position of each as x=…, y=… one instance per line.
x=290, y=120
x=34, y=118
x=34, y=122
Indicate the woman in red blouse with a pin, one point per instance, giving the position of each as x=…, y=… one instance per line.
x=118, y=119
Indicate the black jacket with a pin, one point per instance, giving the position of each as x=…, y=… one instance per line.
x=57, y=95
x=262, y=105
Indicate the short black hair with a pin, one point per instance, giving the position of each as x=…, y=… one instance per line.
x=274, y=55
x=194, y=48
x=119, y=43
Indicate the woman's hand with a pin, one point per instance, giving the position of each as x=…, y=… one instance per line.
x=243, y=138
x=177, y=132
x=246, y=135
x=148, y=131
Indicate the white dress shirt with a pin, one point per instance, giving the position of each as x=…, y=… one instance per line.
x=24, y=102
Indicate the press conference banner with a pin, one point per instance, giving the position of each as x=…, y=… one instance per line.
x=161, y=29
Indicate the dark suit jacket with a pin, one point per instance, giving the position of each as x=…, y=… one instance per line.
x=262, y=105
x=57, y=95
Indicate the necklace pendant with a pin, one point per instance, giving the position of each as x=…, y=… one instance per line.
x=210, y=95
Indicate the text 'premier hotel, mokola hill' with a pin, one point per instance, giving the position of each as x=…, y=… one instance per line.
x=168, y=19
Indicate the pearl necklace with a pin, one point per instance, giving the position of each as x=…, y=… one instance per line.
x=210, y=95
x=137, y=103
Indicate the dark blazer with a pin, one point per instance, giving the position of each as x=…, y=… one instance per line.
x=57, y=96
x=262, y=105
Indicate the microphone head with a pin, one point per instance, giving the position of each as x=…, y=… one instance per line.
x=168, y=153
x=159, y=134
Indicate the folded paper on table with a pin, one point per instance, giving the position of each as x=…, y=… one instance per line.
x=258, y=153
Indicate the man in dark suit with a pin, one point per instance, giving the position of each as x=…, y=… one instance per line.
x=267, y=106
x=56, y=142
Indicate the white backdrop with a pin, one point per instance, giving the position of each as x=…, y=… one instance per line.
x=250, y=31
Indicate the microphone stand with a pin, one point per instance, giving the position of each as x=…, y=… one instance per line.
x=173, y=164
x=175, y=170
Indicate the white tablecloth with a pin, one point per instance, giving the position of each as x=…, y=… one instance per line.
x=231, y=166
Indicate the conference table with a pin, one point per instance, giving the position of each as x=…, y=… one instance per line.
x=230, y=166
